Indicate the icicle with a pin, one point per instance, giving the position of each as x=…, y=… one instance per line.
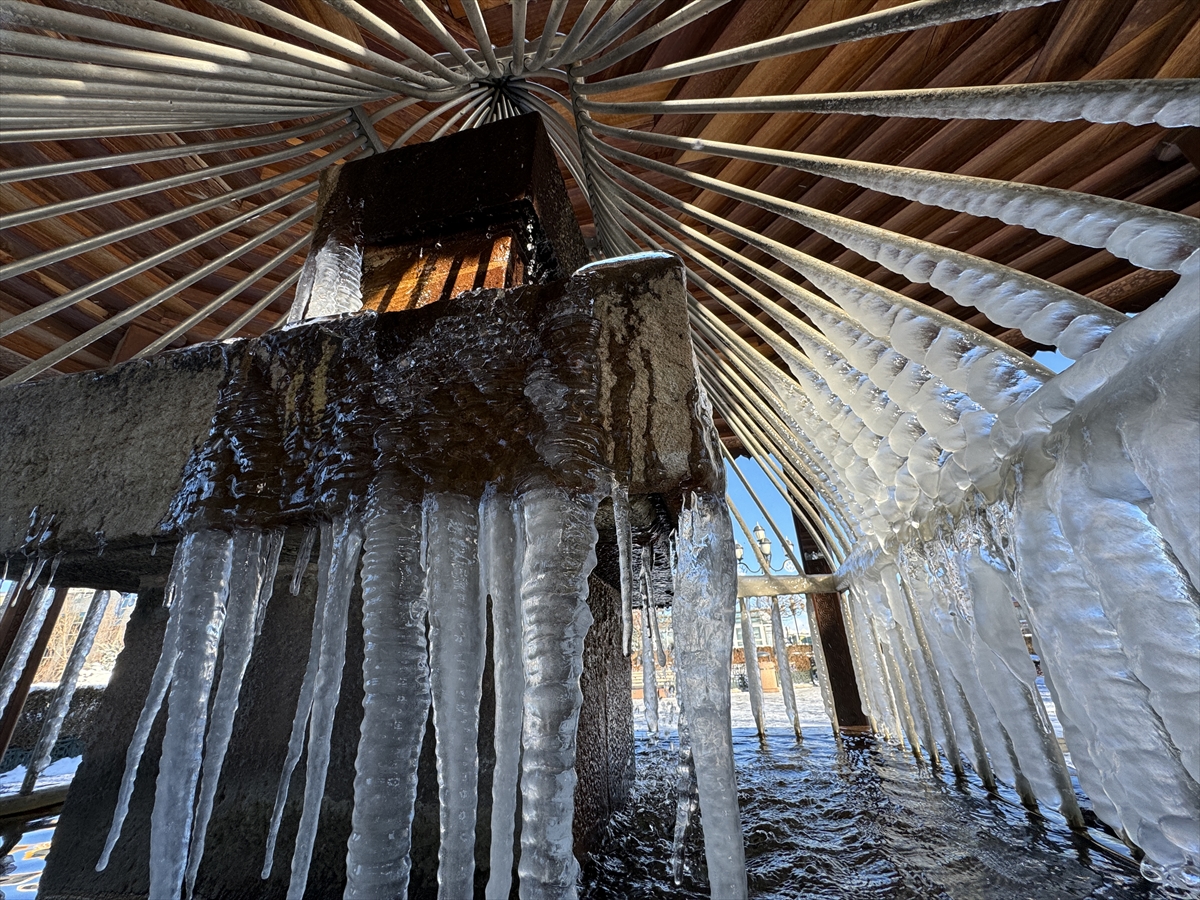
x=303, y=555
x=15, y=586
x=249, y=587
x=705, y=593
x=395, y=703
x=560, y=553
x=164, y=670
x=784, y=666
x=274, y=547
x=63, y=694
x=499, y=570
x=649, y=676
x=620, y=499
x=203, y=589
x=660, y=652
x=18, y=655
x=818, y=653
x=33, y=572
x=687, y=801
x=305, y=700
x=334, y=595
x=457, y=629
x=753, y=676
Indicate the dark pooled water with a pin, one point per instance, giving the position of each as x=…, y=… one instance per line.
x=853, y=820
x=823, y=820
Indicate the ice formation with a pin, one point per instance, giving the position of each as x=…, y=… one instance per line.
x=444, y=562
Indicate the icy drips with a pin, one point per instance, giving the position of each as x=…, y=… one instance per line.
x=27, y=634
x=705, y=594
x=784, y=666
x=687, y=801
x=303, y=702
x=203, y=590
x=560, y=552
x=753, y=675
x=56, y=713
x=649, y=676
x=303, y=555
x=620, y=501
x=500, y=556
x=252, y=574
x=333, y=595
x=456, y=657
x=395, y=703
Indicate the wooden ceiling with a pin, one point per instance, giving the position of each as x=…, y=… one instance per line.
x=1069, y=40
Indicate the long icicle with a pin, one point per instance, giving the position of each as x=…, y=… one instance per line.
x=500, y=570
x=784, y=667
x=160, y=681
x=620, y=500
x=560, y=553
x=457, y=630
x=705, y=594
x=203, y=591
x=249, y=587
x=304, y=701
x=395, y=702
x=338, y=581
x=63, y=694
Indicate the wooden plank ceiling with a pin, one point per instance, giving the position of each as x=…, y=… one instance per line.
x=1069, y=40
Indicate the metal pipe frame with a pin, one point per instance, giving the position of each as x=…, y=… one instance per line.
x=906, y=17
x=38, y=313
x=28, y=264
x=96, y=163
x=1170, y=102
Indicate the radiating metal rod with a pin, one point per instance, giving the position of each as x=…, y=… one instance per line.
x=565, y=54
x=213, y=31
x=617, y=20
x=801, y=500
x=271, y=297
x=314, y=34
x=130, y=313
x=36, y=45
x=28, y=264
x=967, y=279
x=667, y=26
x=1170, y=102
x=1081, y=219
x=771, y=521
x=468, y=107
x=163, y=342
x=33, y=75
x=821, y=273
x=787, y=548
x=800, y=496
x=906, y=17
x=108, y=161
x=553, y=20
x=433, y=114
x=435, y=27
x=519, y=8
x=364, y=18
x=51, y=306
x=12, y=220
x=810, y=470
x=479, y=28
x=16, y=12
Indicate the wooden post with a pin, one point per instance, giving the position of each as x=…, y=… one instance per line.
x=827, y=610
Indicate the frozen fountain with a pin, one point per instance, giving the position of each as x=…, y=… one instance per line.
x=450, y=452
